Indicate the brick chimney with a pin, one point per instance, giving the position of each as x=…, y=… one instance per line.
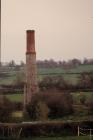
x=31, y=86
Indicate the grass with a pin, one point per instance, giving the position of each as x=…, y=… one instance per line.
x=76, y=96
x=82, y=68
x=52, y=138
x=15, y=97
x=70, y=75
x=18, y=114
x=59, y=138
x=79, y=69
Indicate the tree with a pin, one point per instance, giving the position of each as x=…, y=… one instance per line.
x=56, y=82
x=22, y=64
x=60, y=104
x=82, y=98
x=12, y=63
x=86, y=80
x=20, y=78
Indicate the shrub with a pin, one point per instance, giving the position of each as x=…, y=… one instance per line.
x=38, y=110
x=89, y=103
x=6, y=108
x=83, y=98
x=53, y=105
x=60, y=104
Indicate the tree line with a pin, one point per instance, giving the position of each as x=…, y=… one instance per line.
x=51, y=63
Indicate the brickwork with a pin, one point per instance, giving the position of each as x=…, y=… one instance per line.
x=31, y=68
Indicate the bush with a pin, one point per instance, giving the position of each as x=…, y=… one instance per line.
x=52, y=105
x=89, y=103
x=38, y=110
x=60, y=104
x=6, y=108
x=56, y=82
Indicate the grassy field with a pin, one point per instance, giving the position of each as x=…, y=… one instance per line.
x=76, y=96
x=70, y=75
x=52, y=138
x=15, y=97
x=60, y=138
x=79, y=69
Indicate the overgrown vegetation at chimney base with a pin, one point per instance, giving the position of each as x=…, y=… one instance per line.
x=49, y=105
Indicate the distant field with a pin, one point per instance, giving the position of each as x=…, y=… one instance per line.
x=70, y=75
x=79, y=69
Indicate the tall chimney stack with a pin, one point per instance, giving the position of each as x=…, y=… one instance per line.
x=31, y=68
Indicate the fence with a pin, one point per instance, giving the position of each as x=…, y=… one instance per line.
x=85, y=132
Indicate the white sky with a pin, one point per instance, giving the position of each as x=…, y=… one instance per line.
x=64, y=28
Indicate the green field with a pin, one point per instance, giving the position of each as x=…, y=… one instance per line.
x=79, y=69
x=15, y=97
x=52, y=138
x=60, y=138
x=76, y=96
x=70, y=75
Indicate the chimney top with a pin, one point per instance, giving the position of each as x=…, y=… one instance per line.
x=30, y=41
x=30, y=30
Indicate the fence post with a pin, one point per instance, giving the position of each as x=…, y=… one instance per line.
x=78, y=131
x=90, y=134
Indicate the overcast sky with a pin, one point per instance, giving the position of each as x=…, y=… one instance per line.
x=63, y=28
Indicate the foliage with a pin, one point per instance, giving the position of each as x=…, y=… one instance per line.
x=72, y=63
x=42, y=111
x=19, y=80
x=86, y=80
x=83, y=99
x=56, y=82
x=60, y=104
x=53, y=105
x=38, y=110
x=89, y=103
x=6, y=108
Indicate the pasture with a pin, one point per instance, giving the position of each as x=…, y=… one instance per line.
x=70, y=75
x=75, y=95
x=51, y=138
x=61, y=138
x=15, y=97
